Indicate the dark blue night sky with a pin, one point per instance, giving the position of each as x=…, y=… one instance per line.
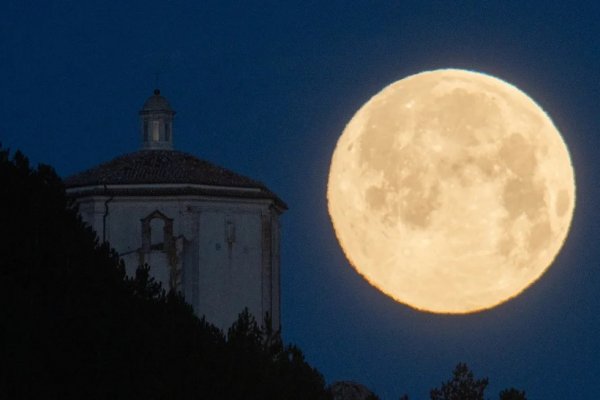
x=265, y=89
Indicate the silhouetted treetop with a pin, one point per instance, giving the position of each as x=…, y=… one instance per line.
x=512, y=394
x=462, y=386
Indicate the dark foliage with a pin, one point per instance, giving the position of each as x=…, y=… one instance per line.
x=462, y=386
x=73, y=325
x=512, y=394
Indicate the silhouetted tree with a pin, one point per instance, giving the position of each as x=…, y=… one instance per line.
x=512, y=394
x=263, y=368
x=462, y=386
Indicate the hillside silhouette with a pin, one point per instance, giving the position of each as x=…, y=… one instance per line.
x=74, y=325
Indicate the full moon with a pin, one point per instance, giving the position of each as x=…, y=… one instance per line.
x=451, y=191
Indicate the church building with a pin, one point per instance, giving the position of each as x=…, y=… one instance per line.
x=205, y=231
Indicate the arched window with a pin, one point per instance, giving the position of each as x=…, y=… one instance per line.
x=155, y=131
x=157, y=233
x=167, y=131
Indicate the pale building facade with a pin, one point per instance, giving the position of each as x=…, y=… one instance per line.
x=204, y=230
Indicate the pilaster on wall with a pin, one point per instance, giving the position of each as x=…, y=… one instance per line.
x=267, y=265
x=275, y=279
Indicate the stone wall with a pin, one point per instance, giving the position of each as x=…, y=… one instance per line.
x=222, y=254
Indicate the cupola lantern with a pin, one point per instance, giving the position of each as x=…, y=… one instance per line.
x=156, y=120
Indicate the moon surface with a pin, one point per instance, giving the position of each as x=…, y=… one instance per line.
x=451, y=191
